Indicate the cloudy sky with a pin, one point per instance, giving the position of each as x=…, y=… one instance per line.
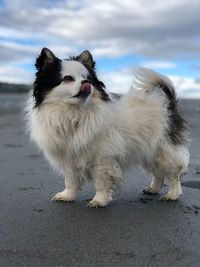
x=162, y=35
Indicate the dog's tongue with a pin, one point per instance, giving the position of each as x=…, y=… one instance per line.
x=86, y=87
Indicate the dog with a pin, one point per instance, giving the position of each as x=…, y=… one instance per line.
x=87, y=134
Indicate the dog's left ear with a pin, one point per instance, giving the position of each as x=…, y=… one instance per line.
x=86, y=59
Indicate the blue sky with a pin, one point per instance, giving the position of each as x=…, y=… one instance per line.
x=121, y=35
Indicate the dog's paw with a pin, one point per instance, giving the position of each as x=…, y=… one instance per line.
x=170, y=197
x=96, y=204
x=149, y=190
x=63, y=196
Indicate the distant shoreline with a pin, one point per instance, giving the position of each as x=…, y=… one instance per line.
x=14, y=88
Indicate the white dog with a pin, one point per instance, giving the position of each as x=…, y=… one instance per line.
x=86, y=135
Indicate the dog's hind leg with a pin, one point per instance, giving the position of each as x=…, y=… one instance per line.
x=155, y=185
x=176, y=165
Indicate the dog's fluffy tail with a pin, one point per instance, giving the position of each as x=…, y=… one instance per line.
x=149, y=80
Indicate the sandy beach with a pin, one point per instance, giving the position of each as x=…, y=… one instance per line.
x=134, y=230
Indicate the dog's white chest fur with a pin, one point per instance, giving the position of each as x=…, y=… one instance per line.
x=69, y=137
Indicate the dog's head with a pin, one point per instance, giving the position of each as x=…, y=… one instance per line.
x=72, y=80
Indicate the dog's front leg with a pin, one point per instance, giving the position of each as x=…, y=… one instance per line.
x=105, y=175
x=72, y=186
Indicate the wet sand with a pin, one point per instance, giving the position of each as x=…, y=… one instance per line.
x=134, y=230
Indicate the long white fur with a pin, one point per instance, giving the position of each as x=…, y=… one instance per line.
x=99, y=140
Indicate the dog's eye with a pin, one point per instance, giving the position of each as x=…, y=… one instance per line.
x=68, y=78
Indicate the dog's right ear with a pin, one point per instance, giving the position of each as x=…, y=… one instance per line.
x=46, y=60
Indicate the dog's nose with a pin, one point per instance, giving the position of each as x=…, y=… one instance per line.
x=85, y=81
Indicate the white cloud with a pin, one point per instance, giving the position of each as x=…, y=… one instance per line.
x=186, y=87
x=117, y=81
x=159, y=65
x=17, y=75
x=161, y=29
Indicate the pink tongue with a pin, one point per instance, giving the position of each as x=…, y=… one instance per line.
x=86, y=87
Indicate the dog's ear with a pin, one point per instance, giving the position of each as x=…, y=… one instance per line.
x=46, y=60
x=86, y=59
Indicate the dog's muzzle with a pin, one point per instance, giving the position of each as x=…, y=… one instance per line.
x=85, y=89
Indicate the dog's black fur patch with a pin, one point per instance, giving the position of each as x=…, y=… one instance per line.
x=178, y=128
x=87, y=60
x=48, y=75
